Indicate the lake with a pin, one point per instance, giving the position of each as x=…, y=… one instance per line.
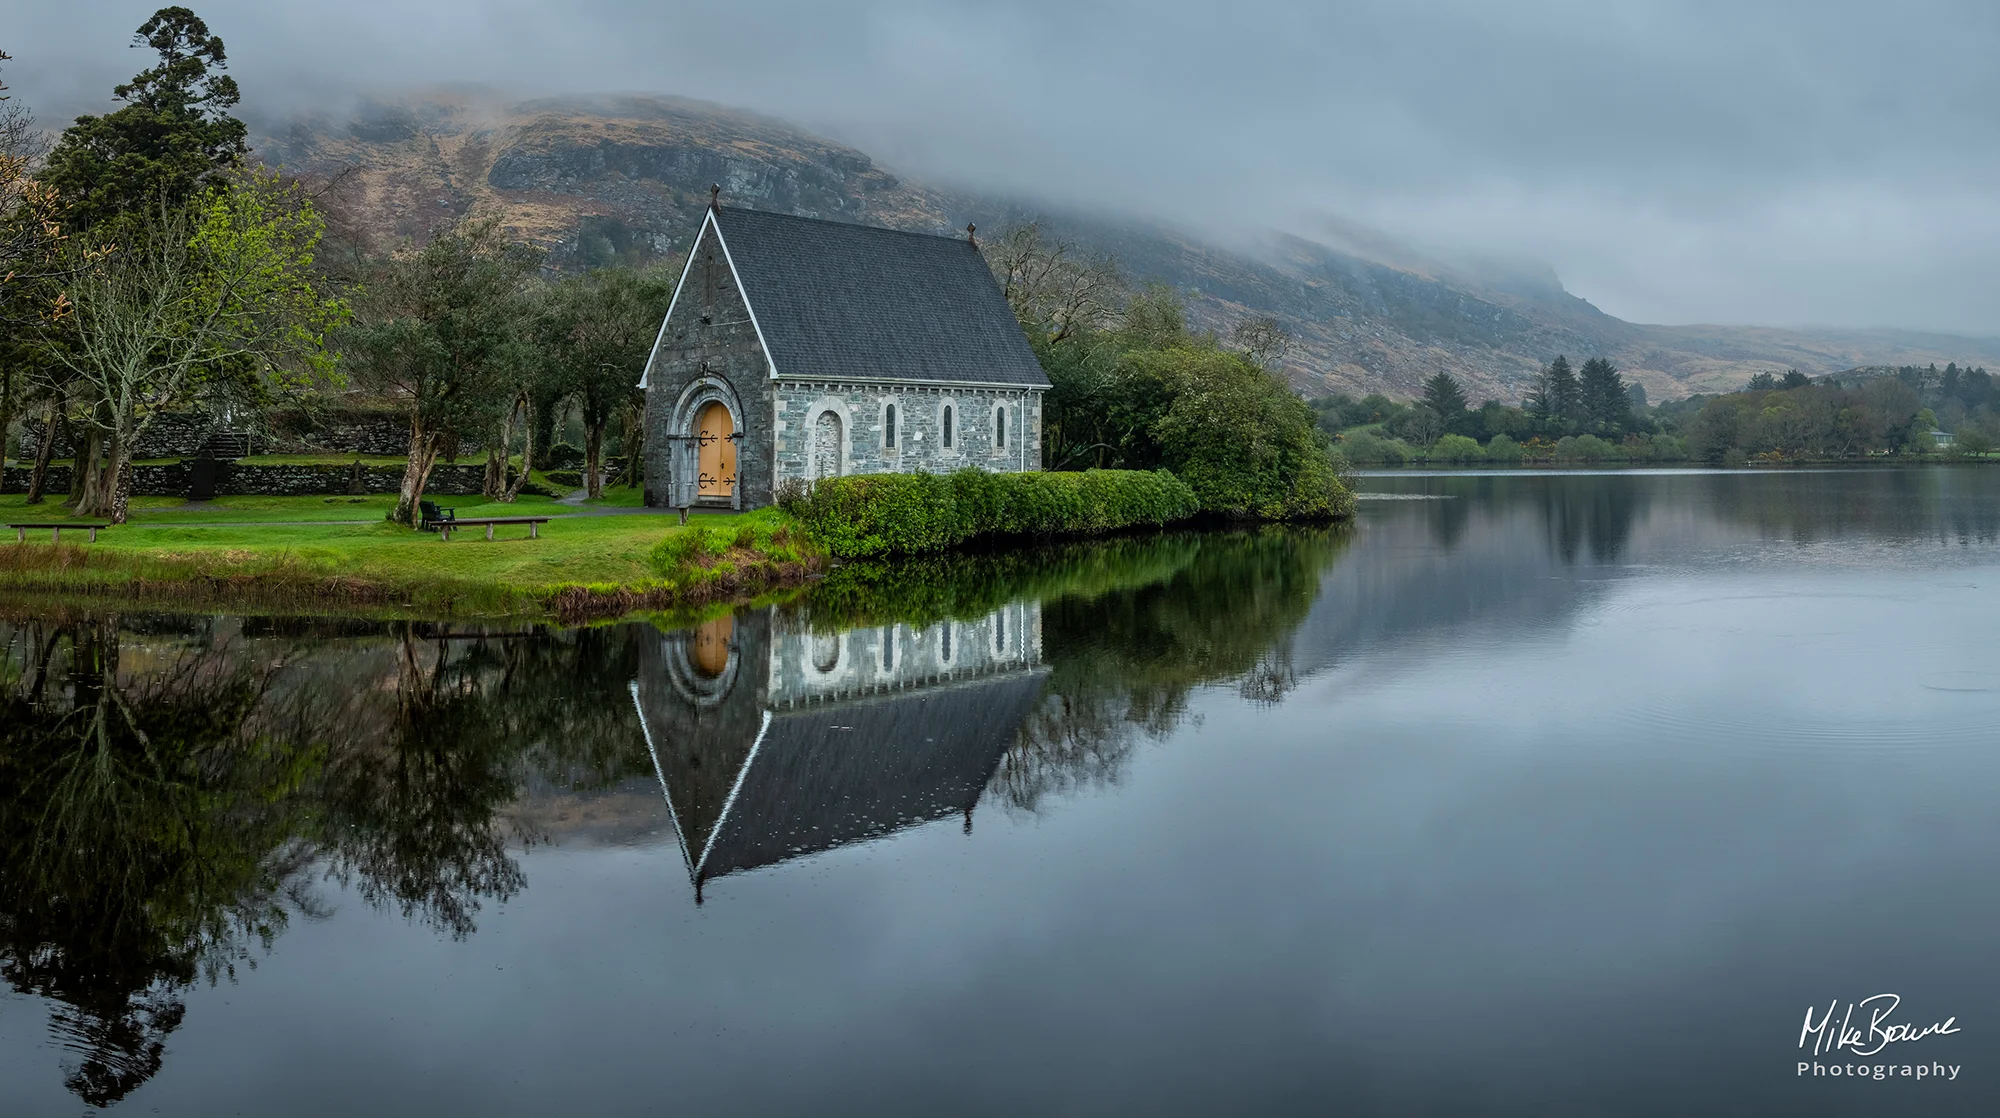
x=1525, y=794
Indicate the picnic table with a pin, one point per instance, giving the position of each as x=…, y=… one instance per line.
x=534, y=523
x=55, y=528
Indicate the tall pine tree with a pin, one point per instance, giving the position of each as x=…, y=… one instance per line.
x=1563, y=397
x=173, y=138
x=1601, y=392
x=1444, y=395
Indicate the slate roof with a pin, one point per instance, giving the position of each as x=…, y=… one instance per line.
x=836, y=773
x=844, y=301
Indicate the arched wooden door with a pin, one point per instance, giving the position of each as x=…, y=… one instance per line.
x=716, y=461
x=711, y=645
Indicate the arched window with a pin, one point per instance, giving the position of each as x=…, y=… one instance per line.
x=825, y=650
x=826, y=445
x=949, y=438
x=1000, y=428
x=889, y=426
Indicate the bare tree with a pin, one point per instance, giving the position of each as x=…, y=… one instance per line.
x=1426, y=426
x=1054, y=285
x=1262, y=339
x=204, y=296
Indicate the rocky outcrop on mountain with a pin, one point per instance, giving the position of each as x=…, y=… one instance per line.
x=625, y=179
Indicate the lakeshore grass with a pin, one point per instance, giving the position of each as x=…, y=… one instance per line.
x=581, y=567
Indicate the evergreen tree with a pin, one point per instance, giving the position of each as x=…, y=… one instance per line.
x=1536, y=402
x=1564, y=396
x=1601, y=393
x=1793, y=379
x=173, y=138
x=1444, y=395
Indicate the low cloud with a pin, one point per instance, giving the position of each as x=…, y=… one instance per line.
x=1789, y=163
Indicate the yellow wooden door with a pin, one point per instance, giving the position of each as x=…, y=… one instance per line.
x=717, y=477
x=711, y=645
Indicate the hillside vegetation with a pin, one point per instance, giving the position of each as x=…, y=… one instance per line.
x=597, y=180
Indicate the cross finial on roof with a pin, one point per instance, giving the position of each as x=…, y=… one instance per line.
x=969, y=228
x=715, y=196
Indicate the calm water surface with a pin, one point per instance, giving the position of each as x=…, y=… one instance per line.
x=1526, y=795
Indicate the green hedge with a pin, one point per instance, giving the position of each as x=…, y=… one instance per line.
x=881, y=514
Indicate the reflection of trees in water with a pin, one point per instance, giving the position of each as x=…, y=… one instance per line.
x=146, y=836
x=171, y=797
x=1124, y=662
x=1581, y=514
x=1594, y=516
x=1946, y=504
x=1594, y=513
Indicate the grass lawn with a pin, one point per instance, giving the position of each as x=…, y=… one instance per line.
x=160, y=511
x=619, y=497
x=367, y=567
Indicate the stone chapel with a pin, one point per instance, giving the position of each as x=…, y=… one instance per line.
x=801, y=348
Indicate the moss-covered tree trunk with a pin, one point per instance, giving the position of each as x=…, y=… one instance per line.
x=513, y=490
x=51, y=430
x=80, y=458
x=416, y=473
x=107, y=484
x=593, y=460
x=632, y=443
x=8, y=392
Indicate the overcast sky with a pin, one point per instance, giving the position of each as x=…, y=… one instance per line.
x=1830, y=162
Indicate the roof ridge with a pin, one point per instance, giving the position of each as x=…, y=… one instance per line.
x=951, y=237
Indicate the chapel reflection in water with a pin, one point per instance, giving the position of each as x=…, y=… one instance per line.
x=175, y=791
x=773, y=740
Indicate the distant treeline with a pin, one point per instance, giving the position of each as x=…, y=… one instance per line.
x=1592, y=415
x=1588, y=413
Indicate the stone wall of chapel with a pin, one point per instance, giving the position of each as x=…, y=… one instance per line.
x=709, y=334
x=920, y=439
x=807, y=666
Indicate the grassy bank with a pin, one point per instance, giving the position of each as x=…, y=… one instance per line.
x=338, y=555
x=242, y=553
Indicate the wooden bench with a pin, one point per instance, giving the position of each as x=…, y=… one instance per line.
x=55, y=530
x=534, y=523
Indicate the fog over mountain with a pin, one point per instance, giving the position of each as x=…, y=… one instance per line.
x=1826, y=163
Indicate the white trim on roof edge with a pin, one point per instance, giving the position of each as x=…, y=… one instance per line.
x=701, y=864
x=660, y=772
x=770, y=362
x=646, y=375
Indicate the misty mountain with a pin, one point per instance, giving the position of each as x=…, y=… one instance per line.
x=625, y=178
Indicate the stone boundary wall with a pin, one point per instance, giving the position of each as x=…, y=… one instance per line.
x=14, y=479
x=383, y=438
x=168, y=436
x=232, y=480
x=185, y=436
x=389, y=436
x=235, y=479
